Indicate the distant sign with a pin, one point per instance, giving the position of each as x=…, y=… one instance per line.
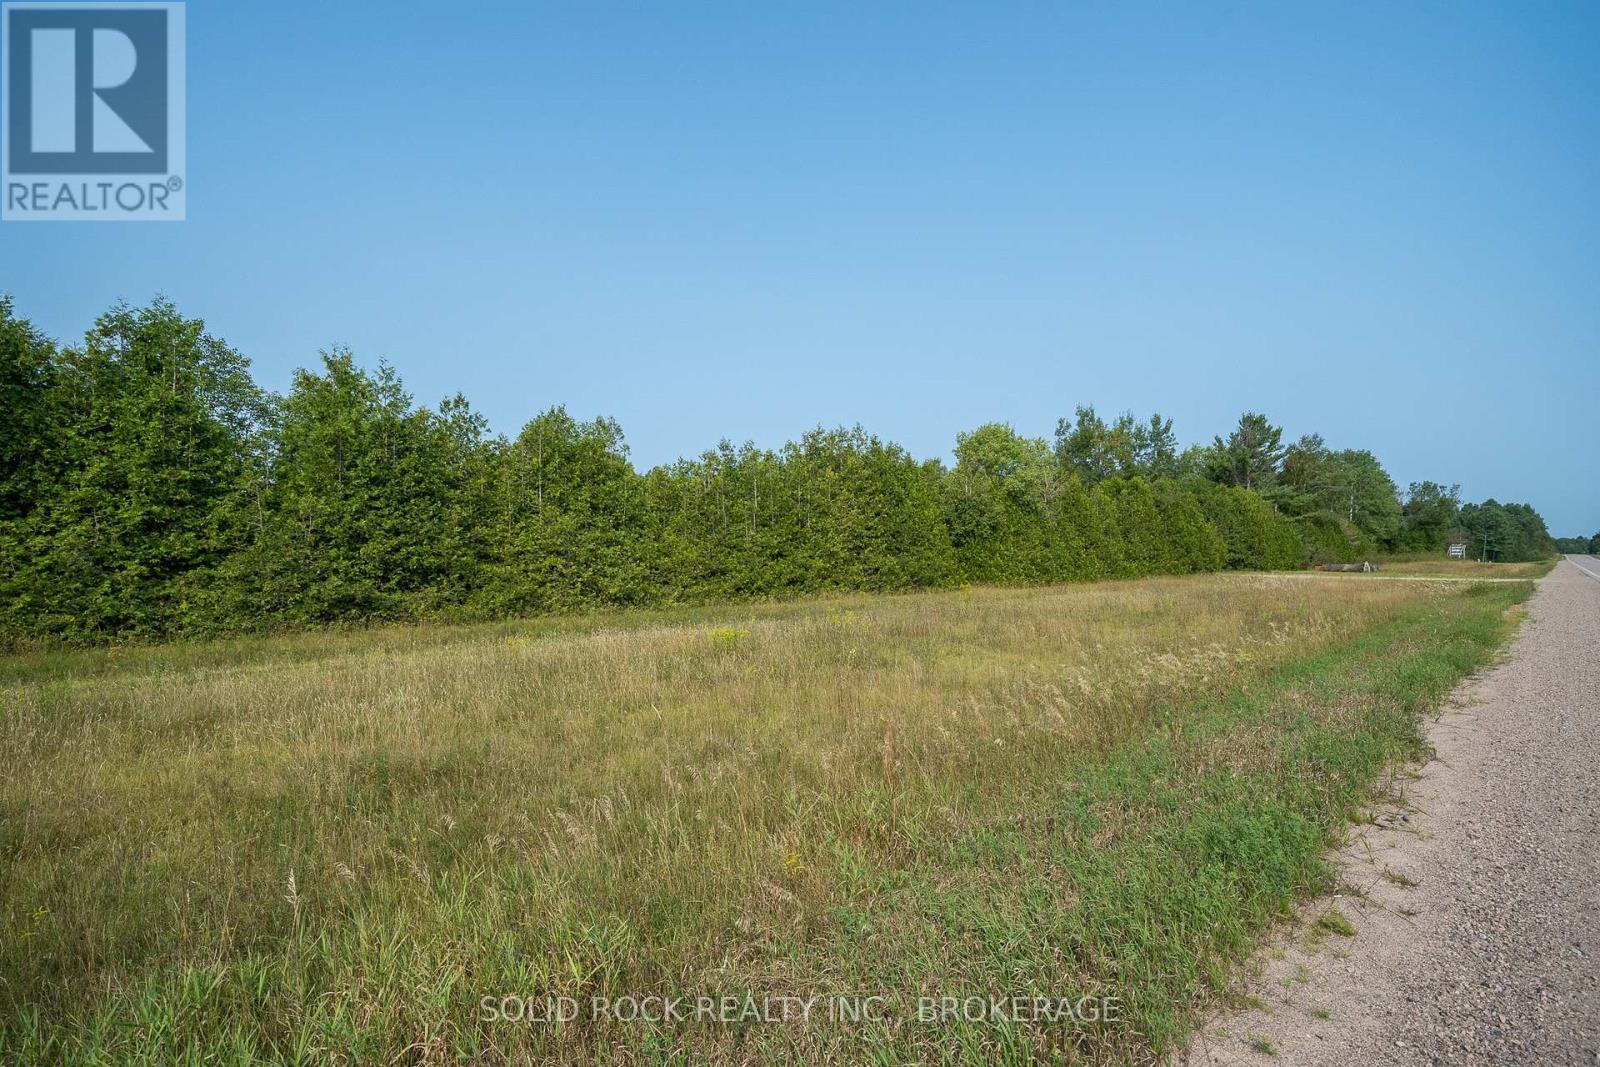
x=1458, y=551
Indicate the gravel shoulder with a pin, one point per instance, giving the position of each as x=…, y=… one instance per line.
x=1473, y=896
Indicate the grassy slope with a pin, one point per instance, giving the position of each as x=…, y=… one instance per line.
x=1108, y=788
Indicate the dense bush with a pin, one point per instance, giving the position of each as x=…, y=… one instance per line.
x=149, y=488
x=1329, y=539
x=1255, y=535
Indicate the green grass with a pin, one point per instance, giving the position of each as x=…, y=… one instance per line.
x=1335, y=922
x=1262, y=1044
x=331, y=848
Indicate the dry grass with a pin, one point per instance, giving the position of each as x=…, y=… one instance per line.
x=1463, y=568
x=330, y=848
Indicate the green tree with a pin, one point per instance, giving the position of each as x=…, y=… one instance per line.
x=1091, y=449
x=1507, y=533
x=155, y=440
x=1094, y=451
x=723, y=525
x=571, y=519
x=1345, y=493
x=998, y=498
x=870, y=516
x=1305, y=484
x=1250, y=456
x=1256, y=536
x=147, y=488
x=1157, y=448
x=1365, y=495
x=1431, y=512
x=27, y=378
x=1143, y=534
x=1192, y=543
x=30, y=456
x=363, y=504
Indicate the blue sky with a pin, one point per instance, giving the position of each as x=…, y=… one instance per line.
x=1377, y=222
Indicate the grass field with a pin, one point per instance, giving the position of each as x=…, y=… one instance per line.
x=1462, y=568
x=331, y=849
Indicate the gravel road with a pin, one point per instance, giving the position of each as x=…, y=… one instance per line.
x=1475, y=897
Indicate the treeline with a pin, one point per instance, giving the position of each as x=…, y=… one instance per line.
x=149, y=488
x=1346, y=506
x=1580, y=545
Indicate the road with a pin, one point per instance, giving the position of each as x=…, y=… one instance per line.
x=1587, y=564
x=1476, y=897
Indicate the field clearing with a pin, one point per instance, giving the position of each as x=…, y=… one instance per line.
x=1462, y=568
x=332, y=848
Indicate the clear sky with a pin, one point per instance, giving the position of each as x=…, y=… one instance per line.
x=1377, y=222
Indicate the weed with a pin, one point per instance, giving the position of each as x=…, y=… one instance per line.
x=1334, y=922
x=1262, y=1044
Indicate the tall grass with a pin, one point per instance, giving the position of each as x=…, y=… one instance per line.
x=1433, y=563
x=331, y=849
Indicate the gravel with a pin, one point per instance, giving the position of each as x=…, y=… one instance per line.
x=1475, y=895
